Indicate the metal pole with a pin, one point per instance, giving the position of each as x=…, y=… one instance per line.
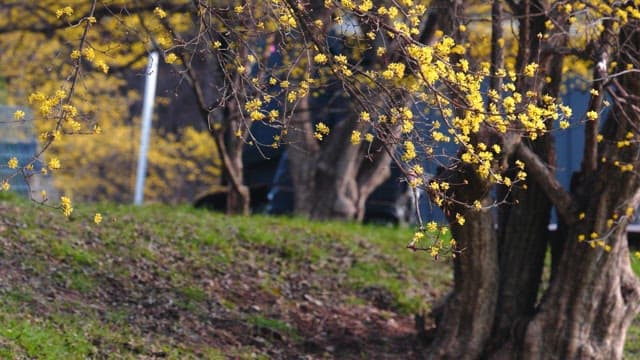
x=147, y=111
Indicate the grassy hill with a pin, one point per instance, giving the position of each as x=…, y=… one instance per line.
x=174, y=282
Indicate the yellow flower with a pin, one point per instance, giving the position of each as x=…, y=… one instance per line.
x=54, y=164
x=321, y=131
x=320, y=58
x=521, y=175
x=89, y=53
x=592, y=115
x=407, y=127
x=102, y=66
x=629, y=211
x=256, y=115
x=409, y=151
x=434, y=251
x=97, y=218
x=65, y=205
x=12, y=163
x=5, y=185
x=67, y=10
x=460, y=219
x=18, y=115
x=159, y=12
x=253, y=105
x=356, y=137
x=171, y=58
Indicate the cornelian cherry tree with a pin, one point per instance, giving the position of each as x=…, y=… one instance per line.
x=487, y=79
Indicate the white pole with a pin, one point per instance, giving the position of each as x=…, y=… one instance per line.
x=147, y=110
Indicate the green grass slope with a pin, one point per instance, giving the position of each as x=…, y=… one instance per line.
x=174, y=282
x=161, y=281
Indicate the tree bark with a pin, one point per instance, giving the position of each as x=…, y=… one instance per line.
x=594, y=295
x=333, y=178
x=586, y=316
x=468, y=314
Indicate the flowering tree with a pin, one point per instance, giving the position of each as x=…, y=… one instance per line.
x=419, y=78
x=78, y=67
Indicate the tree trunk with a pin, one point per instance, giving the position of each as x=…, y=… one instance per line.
x=468, y=313
x=586, y=316
x=594, y=295
x=332, y=179
x=303, y=155
x=521, y=250
x=230, y=148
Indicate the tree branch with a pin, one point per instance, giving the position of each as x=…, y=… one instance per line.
x=561, y=199
x=600, y=71
x=48, y=28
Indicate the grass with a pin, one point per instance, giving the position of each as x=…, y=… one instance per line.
x=155, y=281
x=160, y=281
x=273, y=326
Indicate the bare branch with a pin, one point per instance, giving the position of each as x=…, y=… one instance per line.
x=561, y=199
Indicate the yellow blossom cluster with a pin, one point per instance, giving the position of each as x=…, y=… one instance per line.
x=12, y=163
x=65, y=11
x=356, y=137
x=65, y=206
x=253, y=108
x=595, y=240
x=322, y=130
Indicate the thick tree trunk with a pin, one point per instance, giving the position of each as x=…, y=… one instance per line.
x=594, y=295
x=303, y=158
x=333, y=179
x=336, y=191
x=468, y=314
x=521, y=250
x=586, y=316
